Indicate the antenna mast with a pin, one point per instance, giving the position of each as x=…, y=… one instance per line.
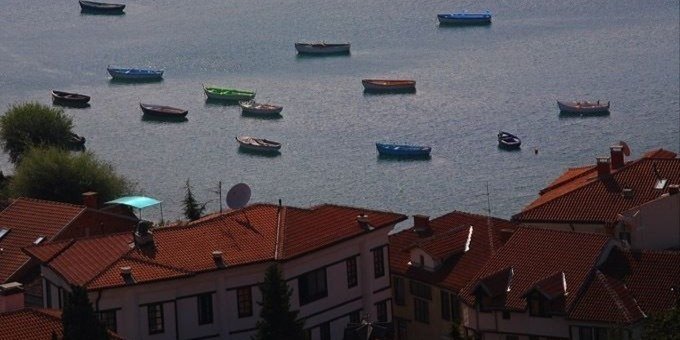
x=488, y=220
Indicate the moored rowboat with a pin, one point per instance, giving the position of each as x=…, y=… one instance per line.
x=322, y=48
x=258, y=144
x=404, y=150
x=68, y=98
x=583, y=107
x=251, y=107
x=465, y=18
x=378, y=85
x=222, y=93
x=162, y=111
x=507, y=140
x=134, y=73
x=100, y=7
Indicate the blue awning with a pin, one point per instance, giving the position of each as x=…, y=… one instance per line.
x=139, y=202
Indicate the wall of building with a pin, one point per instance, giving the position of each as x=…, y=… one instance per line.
x=518, y=323
x=655, y=224
x=180, y=306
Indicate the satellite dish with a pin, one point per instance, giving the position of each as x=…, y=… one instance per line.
x=238, y=196
x=626, y=149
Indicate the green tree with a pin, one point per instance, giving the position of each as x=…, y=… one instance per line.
x=277, y=321
x=79, y=319
x=663, y=326
x=192, y=209
x=32, y=124
x=59, y=175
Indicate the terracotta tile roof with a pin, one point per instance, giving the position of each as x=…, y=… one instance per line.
x=33, y=323
x=442, y=245
x=535, y=254
x=496, y=284
x=606, y=300
x=583, y=197
x=459, y=269
x=245, y=236
x=30, y=323
x=551, y=287
x=27, y=219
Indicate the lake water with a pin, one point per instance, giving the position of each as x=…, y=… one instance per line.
x=471, y=83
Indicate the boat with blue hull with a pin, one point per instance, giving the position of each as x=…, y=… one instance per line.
x=465, y=18
x=403, y=150
x=135, y=74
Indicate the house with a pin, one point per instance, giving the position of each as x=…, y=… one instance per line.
x=26, y=222
x=432, y=261
x=591, y=198
x=201, y=280
x=19, y=323
x=553, y=284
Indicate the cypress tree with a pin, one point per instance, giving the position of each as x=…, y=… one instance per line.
x=277, y=321
x=192, y=209
x=78, y=318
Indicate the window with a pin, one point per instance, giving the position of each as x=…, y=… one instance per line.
x=381, y=311
x=155, y=315
x=537, y=305
x=312, y=286
x=351, y=272
x=325, y=330
x=421, y=310
x=244, y=300
x=420, y=290
x=401, y=329
x=205, y=309
x=378, y=262
x=48, y=294
x=455, y=307
x=354, y=317
x=446, y=305
x=108, y=319
x=399, y=291
x=3, y=232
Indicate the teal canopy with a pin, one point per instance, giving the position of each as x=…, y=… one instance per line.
x=139, y=202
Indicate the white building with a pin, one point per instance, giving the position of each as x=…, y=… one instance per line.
x=201, y=280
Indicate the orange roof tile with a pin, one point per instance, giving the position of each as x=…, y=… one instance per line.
x=245, y=236
x=459, y=269
x=33, y=323
x=588, y=199
x=535, y=254
x=443, y=245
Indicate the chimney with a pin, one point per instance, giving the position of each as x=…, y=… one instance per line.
x=602, y=167
x=90, y=200
x=505, y=234
x=421, y=224
x=126, y=273
x=673, y=189
x=219, y=260
x=11, y=296
x=142, y=235
x=616, y=152
x=363, y=222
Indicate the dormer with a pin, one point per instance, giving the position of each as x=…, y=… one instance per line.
x=491, y=291
x=546, y=297
x=432, y=252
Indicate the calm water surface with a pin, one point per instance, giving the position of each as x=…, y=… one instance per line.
x=471, y=81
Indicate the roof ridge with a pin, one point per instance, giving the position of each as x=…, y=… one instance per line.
x=613, y=295
x=106, y=268
x=313, y=207
x=279, y=241
x=45, y=313
x=39, y=200
x=68, y=242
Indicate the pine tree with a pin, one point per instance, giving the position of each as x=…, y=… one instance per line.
x=78, y=318
x=192, y=209
x=276, y=319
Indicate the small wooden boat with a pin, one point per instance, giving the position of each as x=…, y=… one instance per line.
x=258, y=144
x=222, y=93
x=322, y=48
x=583, y=107
x=75, y=141
x=162, y=111
x=100, y=7
x=403, y=150
x=251, y=107
x=507, y=140
x=465, y=18
x=388, y=85
x=139, y=74
x=68, y=98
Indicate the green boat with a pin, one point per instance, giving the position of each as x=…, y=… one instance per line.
x=221, y=93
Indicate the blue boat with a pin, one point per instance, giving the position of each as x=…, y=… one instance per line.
x=386, y=149
x=465, y=18
x=140, y=74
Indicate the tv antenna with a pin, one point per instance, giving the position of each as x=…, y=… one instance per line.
x=237, y=198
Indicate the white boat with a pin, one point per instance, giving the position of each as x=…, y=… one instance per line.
x=583, y=107
x=251, y=107
x=322, y=48
x=258, y=144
